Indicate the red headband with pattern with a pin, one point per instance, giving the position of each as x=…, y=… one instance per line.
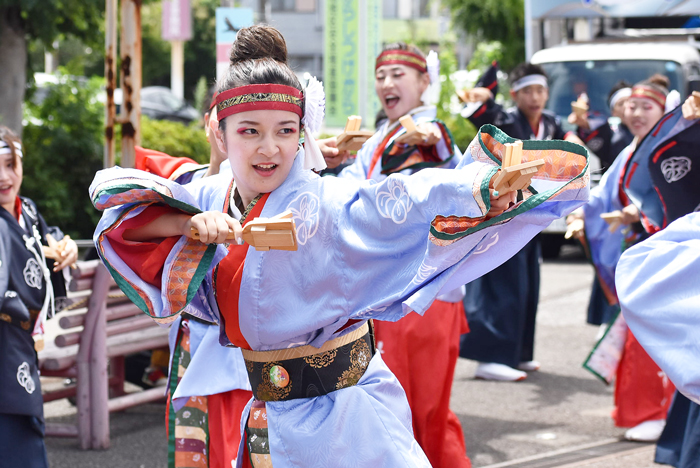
x=649, y=92
x=259, y=97
x=402, y=57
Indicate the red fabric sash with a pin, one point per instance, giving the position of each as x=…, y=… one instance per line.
x=158, y=163
x=227, y=283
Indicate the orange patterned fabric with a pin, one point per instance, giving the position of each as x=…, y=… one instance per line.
x=455, y=224
x=181, y=273
x=559, y=165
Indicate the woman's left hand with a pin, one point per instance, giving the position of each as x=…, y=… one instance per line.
x=500, y=203
x=67, y=249
x=428, y=135
x=630, y=214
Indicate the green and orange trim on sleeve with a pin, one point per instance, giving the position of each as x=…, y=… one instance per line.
x=189, y=266
x=564, y=162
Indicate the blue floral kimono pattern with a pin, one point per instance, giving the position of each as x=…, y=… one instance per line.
x=366, y=250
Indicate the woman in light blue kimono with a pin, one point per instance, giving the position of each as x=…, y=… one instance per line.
x=421, y=351
x=642, y=408
x=365, y=250
x=657, y=280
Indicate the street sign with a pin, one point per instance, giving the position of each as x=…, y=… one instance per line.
x=228, y=22
x=177, y=20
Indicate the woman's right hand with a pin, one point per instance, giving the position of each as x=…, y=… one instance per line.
x=213, y=227
x=575, y=226
x=333, y=156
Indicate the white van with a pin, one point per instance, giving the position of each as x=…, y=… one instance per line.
x=594, y=68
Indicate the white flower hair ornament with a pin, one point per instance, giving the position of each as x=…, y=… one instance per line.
x=432, y=95
x=673, y=100
x=314, y=110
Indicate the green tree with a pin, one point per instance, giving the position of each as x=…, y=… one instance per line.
x=63, y=141
x=22, y=21
x=493, y=20
x=448, y=108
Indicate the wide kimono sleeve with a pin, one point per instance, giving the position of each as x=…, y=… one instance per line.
x=182, y=279
x=658, y=283
x=605, y=247
x=406, y=239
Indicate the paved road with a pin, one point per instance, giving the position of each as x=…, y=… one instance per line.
x=558, y=417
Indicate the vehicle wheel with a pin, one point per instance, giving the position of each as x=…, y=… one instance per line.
x=551, y=246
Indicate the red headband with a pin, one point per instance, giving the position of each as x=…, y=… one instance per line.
x=259, y=97
x=648, y=92
x=212, y=104
x=402, y=57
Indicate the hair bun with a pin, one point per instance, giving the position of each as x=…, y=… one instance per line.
x=660, y=80
x=259, y=42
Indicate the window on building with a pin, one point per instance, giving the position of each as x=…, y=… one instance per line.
x=307, y=6
x=390, y=8
x=302, y=6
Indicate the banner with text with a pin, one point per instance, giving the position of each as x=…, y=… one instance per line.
x=352, y=43
x=177, y=20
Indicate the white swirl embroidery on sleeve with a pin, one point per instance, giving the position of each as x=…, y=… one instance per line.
x=485, y=248
x=305, y=209
x=394, y=202
x=424, y=273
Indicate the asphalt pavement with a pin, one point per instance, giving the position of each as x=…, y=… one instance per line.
x=558, y=417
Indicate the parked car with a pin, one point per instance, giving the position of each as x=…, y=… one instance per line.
x=594, y=68
x=159, y=103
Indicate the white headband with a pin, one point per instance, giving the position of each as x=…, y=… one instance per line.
x=529, y=80
x=619, y=94
x=5, y=148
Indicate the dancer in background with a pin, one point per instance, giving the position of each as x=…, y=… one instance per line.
x=642, y=393
x=502, y=336
x=29, y=284
x=421, y=351
x=657, y=279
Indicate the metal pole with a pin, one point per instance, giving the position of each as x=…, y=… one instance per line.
x=111, y=78
x=130, y=54
x=177, y=68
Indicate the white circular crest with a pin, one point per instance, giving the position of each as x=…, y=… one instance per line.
x=32, y=274
x=595, y=144
x=305, y=209
x=24, y=377
x=394, y=202
x=674, y=169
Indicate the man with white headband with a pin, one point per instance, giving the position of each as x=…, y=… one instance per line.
x=501, y=306
x=606, y=137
